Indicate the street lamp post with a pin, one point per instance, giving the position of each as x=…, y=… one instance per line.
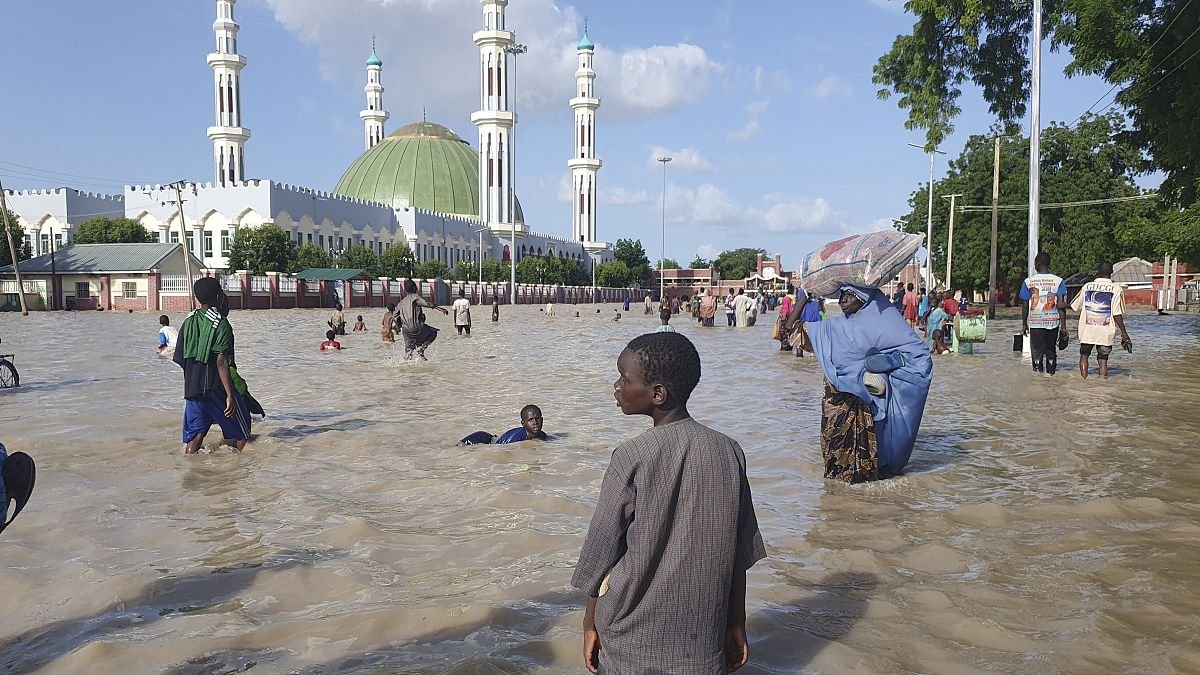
x=479, y=254
x=933, y=152
x=593, y=256
x=950, y=238
x=1035, y=133
x=899, y=225
x=663, y=255
x=515, y=50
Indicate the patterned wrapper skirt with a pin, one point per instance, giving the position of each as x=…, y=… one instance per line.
x=848, y=443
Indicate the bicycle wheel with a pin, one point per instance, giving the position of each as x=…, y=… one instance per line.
x=8, y=375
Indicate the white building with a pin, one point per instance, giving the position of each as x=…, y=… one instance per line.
x=420, y=185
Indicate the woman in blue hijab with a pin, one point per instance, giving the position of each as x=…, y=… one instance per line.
x=877, y=375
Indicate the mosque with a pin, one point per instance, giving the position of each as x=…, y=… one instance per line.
x=422, y=184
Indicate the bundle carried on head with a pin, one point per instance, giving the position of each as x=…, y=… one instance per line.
x=869, y=260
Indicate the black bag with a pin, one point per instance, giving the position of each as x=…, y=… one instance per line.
x=1064, y=340
x=18, y=472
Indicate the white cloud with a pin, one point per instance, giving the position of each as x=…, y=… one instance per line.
x=708, y=252
x=831, y=87
x=687, y=159
x=428, y=56
x=611, y=196
x=753, y=127
x=619, y=196
x=710, y=206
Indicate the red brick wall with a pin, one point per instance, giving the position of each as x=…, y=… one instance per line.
x=137, y=304
x=176, y=303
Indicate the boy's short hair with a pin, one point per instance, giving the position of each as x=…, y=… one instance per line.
x=164, y=320
x=530, y=407
x=207, y=290
x=329, y=335
x=670, y=359
x=664, y=315
x=391, y=307
x=360, y=317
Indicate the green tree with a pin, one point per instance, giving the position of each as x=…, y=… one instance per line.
x=431, y=269
x=310, y=255
x=699, y=263
x=532, y=270
x=1078, y=164
x=739, y=263
x=668, y=264
x=614, y=274
x=18, y=236
x=266, y=248
x=104, y=230
x=466, y=270
x=397, y=261
x=1138, y=46
x=495, y=270
x=359, y=258
x=633, y=254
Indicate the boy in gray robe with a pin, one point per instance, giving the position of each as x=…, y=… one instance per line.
x=665, y=559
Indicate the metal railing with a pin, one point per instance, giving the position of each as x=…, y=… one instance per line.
x=173, y=283
x=287, y=284
x=260, y=284
x=231, y=283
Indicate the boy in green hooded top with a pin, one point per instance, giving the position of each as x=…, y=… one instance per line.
x=205, y=352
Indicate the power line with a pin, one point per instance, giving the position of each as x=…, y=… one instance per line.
x=68, y=175
x=1061, y=205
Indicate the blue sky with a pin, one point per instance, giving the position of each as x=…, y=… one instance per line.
x=767, y=107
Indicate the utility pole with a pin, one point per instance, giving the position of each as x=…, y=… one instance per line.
x=933, y=153
x=661, y=258
x=13, y=252
x=53, y=273
x=950, y=239
x=995, y=227
x=183, y=235
x=1035, y=134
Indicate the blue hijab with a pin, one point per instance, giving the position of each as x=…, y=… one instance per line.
x=810, y=310
x=842, y=346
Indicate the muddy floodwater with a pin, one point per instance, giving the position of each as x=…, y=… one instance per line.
x=1043, y=526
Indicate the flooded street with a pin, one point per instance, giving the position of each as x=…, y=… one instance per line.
x=1043, y=525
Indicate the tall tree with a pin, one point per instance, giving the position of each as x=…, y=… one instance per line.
x=310, y=255
x=494, y=270
x=360, y=258
x=266, y=248
x=397, y=261
x=614, y=274
x=699, y=263
x=633, y=254
x=18, y=236
x=104, y=230
x=739, y=263
x=431, y=269
x=1144, y=48
x=466, y=270
x=668, y=264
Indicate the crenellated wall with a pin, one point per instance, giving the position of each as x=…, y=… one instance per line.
x=59, y=210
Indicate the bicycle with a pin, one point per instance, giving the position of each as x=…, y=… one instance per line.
x=9, y=377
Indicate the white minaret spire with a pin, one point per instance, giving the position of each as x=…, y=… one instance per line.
x=583, y=162
x=228, y=135
x=374, y=115
x=495, y=118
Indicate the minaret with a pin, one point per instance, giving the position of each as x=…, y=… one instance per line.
x=228, y=135
x=583, y=162
x=494, y=119
x=374, y=115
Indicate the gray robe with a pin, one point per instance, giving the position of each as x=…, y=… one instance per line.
x=673, y=521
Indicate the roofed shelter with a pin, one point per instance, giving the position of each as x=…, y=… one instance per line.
x=105, y=276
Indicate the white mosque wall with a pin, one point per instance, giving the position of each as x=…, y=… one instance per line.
x=59, y=211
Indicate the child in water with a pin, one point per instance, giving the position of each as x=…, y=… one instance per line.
x=330, y=344
x=530, y=429
x=359, y=325
x=617, y=317
x=939, y=344
x=674, y=531
x=664, y=315
x=167, y=335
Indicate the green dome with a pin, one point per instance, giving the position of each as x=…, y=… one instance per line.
x=585, y=43
x=422, y=165
x=374, y=60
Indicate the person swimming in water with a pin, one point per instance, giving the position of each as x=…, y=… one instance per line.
x=530, y=429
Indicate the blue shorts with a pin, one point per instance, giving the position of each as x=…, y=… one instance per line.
x=199, y=415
